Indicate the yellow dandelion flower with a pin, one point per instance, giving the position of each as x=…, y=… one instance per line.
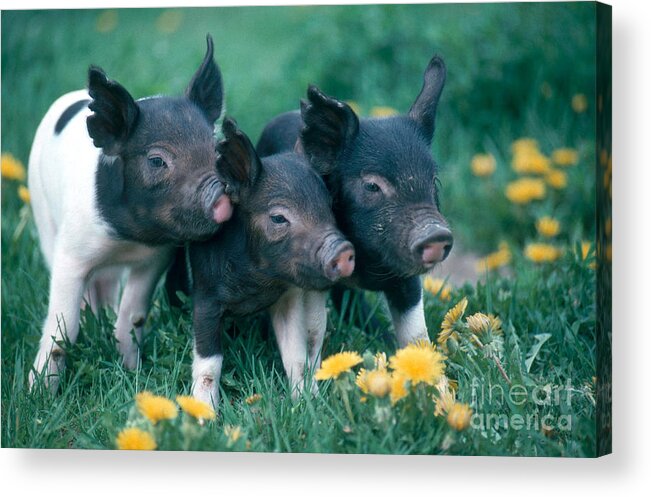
x=565, y=157
x=12, y=168
x=155, y=408
x=609, y=252
x=135, y=439
x=23, y=194
x=579, y=103
x=450, y=319
x=419, y=363
x=548, y=226
x=531, y=161
x=495, y=324
x=524, y=190
x=494, y=260
x=459, y=416
x=381, y=111
x=524, y=145
x=608, y=227
x=556, y=179
x=398, y=387
x=107, y=21
x=437, y=286
x=195, y=408
x=169, y=21
x=252, y=399
x=478, y=323
x=360, y=380
x=233, y=433
x=542, y=252
x=483, y=165
x=337, y=364
x=357, y=109
x=444, y=401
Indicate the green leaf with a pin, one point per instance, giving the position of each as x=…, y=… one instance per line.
x=535, y=349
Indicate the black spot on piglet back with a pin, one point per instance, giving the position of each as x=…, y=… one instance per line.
x=68, y=114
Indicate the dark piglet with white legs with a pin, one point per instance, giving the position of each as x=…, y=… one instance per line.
x=280, y=251
x=384, y=182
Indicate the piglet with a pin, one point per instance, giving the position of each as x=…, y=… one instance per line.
x=116, y=184
x=280, y=251
x=384, y=182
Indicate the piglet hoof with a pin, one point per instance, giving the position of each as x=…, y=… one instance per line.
x=206, y=389
x=47, y=368
x=130, y=355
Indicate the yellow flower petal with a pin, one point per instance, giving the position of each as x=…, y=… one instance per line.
x=12, y=168
x=548, y=226
x=23, y=194
x=565, y=157
x=524, y=190
x=135, y=439
x=155, y=408
x=483, y=165
x=494, y=260
x=196, y=408
x=459, y=416
x=337, y=364
x=418, y=363
x=579, y=103
x=437, y=286
x=542, y=252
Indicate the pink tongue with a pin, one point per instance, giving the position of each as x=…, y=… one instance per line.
x=222, y=210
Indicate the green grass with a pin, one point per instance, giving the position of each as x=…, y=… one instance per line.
x=267, y=57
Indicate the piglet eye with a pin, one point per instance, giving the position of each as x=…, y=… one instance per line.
x=371, y=187
x=156, y=162
x=279, y=219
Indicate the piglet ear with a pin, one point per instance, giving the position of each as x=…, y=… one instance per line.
x=205, y=89
x=329, y=126
x=115, y=113
x=238, y=163
x=423, y=111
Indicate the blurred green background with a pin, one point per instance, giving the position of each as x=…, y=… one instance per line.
x=512, y=71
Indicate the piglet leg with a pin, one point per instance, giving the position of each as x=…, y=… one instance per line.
x=66, y=289
x=289, y=323
x=134, y=307
x=207, y=358
x=316, y=319
x=405, y=299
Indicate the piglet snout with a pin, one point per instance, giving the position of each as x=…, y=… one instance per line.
x=342, y=264
x=435, y=248
x=222, y=210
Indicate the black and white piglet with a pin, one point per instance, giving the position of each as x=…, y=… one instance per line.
x=384, y=183
x=116, y=184
x=282, y=241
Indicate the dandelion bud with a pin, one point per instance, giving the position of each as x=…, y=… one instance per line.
x=378, y=383
x=452, y=345
x=369, y=360
x=459, y=416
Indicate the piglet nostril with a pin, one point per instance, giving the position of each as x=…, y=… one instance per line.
x=342, y=265
x=436, y=248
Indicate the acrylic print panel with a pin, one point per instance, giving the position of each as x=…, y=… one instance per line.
x=474, y=189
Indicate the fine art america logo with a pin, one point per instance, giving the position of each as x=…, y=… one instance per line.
x=491, y=402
